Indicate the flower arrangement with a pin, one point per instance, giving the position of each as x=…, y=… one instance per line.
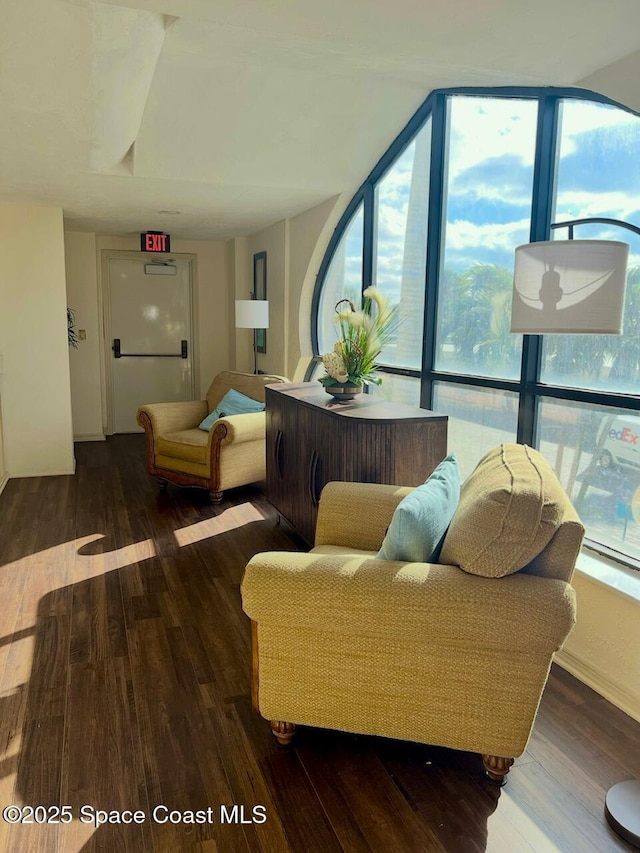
x=362, y=335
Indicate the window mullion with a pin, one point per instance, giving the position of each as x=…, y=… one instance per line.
x=367, y=237
x=542, y=204
x=437, y=180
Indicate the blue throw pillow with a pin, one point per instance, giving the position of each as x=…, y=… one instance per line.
x=233, y=403
x=419, y=524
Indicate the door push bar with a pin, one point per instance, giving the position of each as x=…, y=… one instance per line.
x=184, y=352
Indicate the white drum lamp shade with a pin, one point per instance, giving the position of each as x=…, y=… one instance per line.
x=252, y=314
x=569, y=287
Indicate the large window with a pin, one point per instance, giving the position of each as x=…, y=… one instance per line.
x=435, y=226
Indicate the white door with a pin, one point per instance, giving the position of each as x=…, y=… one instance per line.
x=150, y=346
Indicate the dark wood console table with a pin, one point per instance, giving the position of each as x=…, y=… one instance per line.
x=313, y=439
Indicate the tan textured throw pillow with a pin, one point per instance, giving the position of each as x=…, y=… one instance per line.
x=510, y=507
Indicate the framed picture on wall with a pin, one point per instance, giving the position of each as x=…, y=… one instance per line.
x=260, y=292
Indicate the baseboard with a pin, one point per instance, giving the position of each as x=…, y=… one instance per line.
x=20, y=475
x=615, y=694
x=89, y=436
x=4, y=479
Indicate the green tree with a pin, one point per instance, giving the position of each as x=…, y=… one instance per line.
x=610, y=362
x=625, y=350
x=475, y=317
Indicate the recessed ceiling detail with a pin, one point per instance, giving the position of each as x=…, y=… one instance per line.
x=126, y=48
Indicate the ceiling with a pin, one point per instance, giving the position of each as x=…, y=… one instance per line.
x=238, y=114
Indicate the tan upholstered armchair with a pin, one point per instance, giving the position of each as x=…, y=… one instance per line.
x=231, y=454
x=423, y=652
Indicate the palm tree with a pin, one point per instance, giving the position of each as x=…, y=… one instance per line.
x=625, y=350
x=475, y=318
x=583, y=358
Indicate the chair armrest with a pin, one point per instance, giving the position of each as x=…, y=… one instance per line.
x=172, y=417
x=416, y=602
x=237, y=429
x=356, y=515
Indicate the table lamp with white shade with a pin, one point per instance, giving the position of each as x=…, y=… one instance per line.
x=252, y=314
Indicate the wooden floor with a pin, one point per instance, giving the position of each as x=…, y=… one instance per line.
x=124, y=658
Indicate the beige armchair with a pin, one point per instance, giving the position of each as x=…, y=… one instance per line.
x=423, y=652
x=231, y=454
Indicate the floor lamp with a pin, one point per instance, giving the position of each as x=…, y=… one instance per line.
x=252, y=314
x=578, y=287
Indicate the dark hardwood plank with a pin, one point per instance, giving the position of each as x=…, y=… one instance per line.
x=303, y=817
x=103, y=767
x=383, y=816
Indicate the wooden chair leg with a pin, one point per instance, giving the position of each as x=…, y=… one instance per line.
x=496, y=768
x=255, y=669
x=283, y=732
x=215, y=496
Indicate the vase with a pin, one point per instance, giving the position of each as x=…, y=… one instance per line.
x=343, y=391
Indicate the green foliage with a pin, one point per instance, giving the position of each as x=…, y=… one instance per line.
x=474, y=320
x=475, y=317
x=611, y=361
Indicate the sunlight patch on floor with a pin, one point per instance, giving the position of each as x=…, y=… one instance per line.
x=26, y=582
x=66, y=561
x=231, y=519
x=511, y=828
x=16, y=658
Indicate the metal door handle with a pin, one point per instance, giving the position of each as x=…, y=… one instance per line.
x=314, y=491
x=278, y=454
x=184, y=352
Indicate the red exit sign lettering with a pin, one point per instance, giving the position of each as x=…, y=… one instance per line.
x=155, y=241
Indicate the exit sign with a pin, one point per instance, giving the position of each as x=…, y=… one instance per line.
x=155, y=241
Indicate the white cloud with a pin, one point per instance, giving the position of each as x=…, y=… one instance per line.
x=463, y=235
x=503, y=192
x=579, y=204
x=392, y=223
x=484, y=128
x=580, y=117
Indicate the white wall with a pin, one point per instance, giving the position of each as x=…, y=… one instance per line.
x=36, y=392
x=309, y=235
x=241, y=348
x=82, y=289
x=3, y=470
x=603, y=650
x=273, y=241
x=294, y=248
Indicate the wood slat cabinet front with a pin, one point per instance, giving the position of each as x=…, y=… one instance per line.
x=312, y=440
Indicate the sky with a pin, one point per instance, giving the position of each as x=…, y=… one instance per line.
x=490, y=174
